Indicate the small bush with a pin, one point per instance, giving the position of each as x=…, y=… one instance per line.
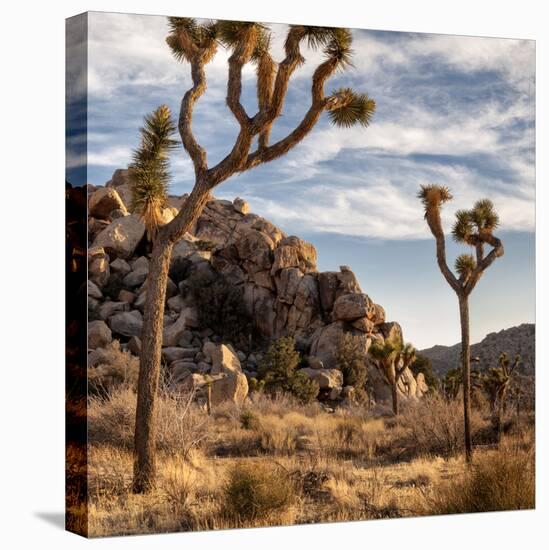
x=278, y=371
x=504, y=480
x=351, y=361
x=248, y=420
x=118, y=368
x=255, y=492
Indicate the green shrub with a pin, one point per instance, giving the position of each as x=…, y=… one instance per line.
x=351, y=361
x=255, y=492
x=221, y=307
x=278, y=367
x=248, y=420
x=424, y=365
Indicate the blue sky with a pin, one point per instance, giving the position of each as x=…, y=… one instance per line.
x=453, y=110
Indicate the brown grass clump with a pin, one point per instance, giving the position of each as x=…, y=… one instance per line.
x=498, y=480
x=259, y=493
x=117, y=368
x=180, y=425
x=435, y=426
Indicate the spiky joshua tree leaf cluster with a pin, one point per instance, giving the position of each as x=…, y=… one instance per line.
x=149, y=170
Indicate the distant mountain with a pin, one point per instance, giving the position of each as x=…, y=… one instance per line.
x=513, y=340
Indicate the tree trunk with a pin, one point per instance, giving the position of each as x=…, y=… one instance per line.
x=152, y=332
x=466, y=374
x=394, y=391
x=149, y=368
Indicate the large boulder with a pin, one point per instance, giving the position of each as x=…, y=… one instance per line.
x=306, y=252
x=127, y=323
x=231, y=387
x=119, y=177
x=353, y=306
x=103, y=201
x=391, y=331
x=326, y=379
x=223, y=359
x=121, y=237
x=99, y=334
x=173, y=332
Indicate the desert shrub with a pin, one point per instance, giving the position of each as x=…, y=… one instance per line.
x=248, y=419
x=117, y=368
x=257, y=492
x=435, y=426
x=278, y=367
x=504, y=480
x=351, y=361
x=222, y=308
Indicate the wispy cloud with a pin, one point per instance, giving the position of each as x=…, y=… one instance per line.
x=451, y=109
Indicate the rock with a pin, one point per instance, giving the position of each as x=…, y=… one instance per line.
x=185, y=381
x=284, y=257
x=229, y=387
x=121, y=237
x=241, y=356
x=137, y=276
x=120, y=266
x=126, y=296
x=108, y=309
x=223, y=359
x=328, y=284
x=241, y=206
x=186, y=339
x=391, y=331
x=352, y=306
x=103, y=201
x=325, y=342
x=118, y=213
x=99, y=334
x=98, y=266
x=127, y=323
x=287, y=282
x=95, y=227
x=119, y=177
x=422, y=387
x=134, y=345
x=173, y=332
x=327, y=379
x=379, y=315
x=314, y=362
x=363, y=324
x=306, y=252
x=97, y=357
x=172, y=354
x=176, y=303
x=94, y=291
x=335, y=393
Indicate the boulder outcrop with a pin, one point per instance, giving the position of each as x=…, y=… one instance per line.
x=267, y=275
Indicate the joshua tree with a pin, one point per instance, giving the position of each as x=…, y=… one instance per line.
x=496, y=384
x=475, y=228
x=196, y=43
x=394, y=358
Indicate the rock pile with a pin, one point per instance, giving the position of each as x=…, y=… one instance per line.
x=281, y=289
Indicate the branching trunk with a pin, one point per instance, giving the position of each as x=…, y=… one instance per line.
x=149, y=368
x=466, y=374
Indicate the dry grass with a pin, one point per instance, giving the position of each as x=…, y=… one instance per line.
x=276, y=462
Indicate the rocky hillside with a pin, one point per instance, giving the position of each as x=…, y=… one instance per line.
x=513, y=340
x=232, y=262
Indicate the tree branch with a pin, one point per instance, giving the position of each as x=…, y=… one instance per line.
x=196, y=152
x=435, y=225
x=318, y=104
x=496, y=252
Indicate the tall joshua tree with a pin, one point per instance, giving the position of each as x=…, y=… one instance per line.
x=475, y=228
x=196, y=43
x=394, y=358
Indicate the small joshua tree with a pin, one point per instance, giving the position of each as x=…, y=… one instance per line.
x=196, y=43
x=475, y=228
x=393, y=358
x=496, y=383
